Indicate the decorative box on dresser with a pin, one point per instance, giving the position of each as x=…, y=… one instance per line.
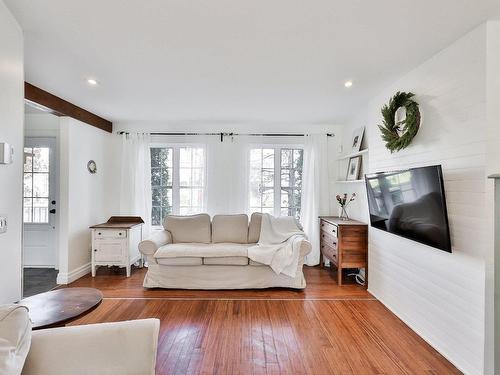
x=344, y=243
x=116, y=242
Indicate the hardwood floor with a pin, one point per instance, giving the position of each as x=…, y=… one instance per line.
x=320, y=284
x=325, y=329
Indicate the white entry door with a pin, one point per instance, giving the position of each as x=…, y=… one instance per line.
x=40, y=203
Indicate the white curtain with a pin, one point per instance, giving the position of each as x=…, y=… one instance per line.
x=227, y=175
x=315, y=197
x=135, y=194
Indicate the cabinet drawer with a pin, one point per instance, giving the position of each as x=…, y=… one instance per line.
x=328, y=240
x=328, y=228
x=110, y=233
x=329, y=252
x=109, y=251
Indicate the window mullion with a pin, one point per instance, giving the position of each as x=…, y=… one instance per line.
x=262, y=208
x=277, y=182
x=175, y=180
x=191, y=172
x=32, y=186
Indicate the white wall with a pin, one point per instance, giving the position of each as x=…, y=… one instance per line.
x=440, y=295
x=492, y=257
x=41, y=125
x=86, y=199
x=11, y=131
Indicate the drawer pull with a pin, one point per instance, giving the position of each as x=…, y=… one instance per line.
x=110, y=234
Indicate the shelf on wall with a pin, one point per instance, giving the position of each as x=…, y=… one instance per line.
x=362, y=152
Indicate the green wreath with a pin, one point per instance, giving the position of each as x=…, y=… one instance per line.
x=398, y=135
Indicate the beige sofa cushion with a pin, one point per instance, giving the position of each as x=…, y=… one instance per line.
x=15, y=338
x=230, y=228
x=226, y=261
x=181, y=261
x=181, y=250
x=254, y=227
x=184, y=229
x=254, y=263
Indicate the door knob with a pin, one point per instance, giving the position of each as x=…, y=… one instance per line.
x=53, y=211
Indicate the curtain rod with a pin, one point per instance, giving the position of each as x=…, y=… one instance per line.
x=222, y=134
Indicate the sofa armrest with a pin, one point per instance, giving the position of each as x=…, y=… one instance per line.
x=305, y=248
x=126, y=348
x=150, y=246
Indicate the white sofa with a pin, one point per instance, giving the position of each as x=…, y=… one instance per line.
x=125, y=348
x=193, y=252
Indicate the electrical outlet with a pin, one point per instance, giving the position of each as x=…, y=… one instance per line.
x=3, y=224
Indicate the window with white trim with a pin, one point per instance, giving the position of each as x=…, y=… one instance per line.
x=177, y=181
x=275, y=180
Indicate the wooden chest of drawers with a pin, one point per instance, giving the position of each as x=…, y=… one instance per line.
x=344, y=243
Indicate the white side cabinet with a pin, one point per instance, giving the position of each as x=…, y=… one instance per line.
x=116, y=243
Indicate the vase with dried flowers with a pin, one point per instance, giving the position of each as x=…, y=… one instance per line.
x=343, y=201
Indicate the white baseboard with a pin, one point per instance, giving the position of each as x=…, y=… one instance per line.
x=39, y=266
x=66, y=278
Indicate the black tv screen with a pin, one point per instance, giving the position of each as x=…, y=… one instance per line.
x=410, y=203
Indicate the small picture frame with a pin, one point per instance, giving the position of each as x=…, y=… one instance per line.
x=357, y=139
x=354, y=168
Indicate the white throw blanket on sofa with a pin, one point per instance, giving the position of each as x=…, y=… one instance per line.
x=279, y=244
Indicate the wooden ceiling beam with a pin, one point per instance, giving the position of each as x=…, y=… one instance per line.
x=61, y=107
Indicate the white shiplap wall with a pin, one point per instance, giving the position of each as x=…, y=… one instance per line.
x=440, y=295
x=492, y=258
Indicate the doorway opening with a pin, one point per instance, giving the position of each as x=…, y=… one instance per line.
x=40, y=198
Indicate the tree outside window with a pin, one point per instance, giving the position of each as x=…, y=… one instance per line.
x=177, y=181
x=275, y=180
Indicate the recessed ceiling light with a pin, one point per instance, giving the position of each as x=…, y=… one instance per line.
x=348, y=84
x=92, y=81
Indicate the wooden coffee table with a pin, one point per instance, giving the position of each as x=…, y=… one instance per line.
x=61, y=306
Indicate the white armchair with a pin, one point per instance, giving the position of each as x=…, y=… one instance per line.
x=125, y=348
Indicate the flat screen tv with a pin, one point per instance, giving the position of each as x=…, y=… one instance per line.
x=410, y=203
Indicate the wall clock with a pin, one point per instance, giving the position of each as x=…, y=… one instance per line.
x=92, y=166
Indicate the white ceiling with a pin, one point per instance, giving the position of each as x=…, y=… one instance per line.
x=233, y=60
